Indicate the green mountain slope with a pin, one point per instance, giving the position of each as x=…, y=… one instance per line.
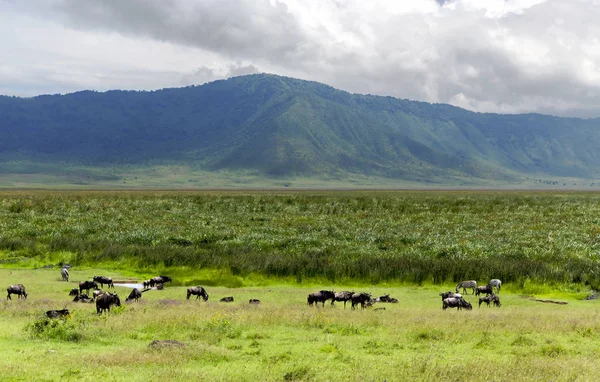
x=280, y=126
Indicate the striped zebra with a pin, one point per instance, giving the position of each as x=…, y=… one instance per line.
x=65, y=274
x=495, y=283
x=467, y=284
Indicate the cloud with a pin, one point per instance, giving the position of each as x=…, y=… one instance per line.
x=485, y=55
x=205, y=74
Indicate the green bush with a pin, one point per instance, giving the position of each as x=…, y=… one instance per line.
x=63, y=329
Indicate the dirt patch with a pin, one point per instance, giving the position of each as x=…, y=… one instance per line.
x=166, y=344
x=552, y=302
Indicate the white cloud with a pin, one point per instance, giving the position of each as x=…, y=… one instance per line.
x=485, y=55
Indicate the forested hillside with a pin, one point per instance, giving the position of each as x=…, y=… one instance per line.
x=280, y=126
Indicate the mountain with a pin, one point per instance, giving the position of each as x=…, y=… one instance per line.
x=284, y=127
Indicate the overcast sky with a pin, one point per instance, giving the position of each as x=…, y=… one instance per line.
x=507, y=56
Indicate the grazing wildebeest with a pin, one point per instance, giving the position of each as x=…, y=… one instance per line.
x=134, y=295
x=227, y=299
x=146, y=284
x=18, y=289
x=65, y=274
x=254, y=301
x=321, y=296
x=74, y=292
x=364, y=299
x=495, y=283
x=104, y=302
x=104, y=280
x=467, y=284
x=344, y=296
x=454, y=302
x=83, y=298
x=160, y=280
x=490, y=298
x=197, y=291
x=87, y=285
x=446, y=295
x=484, y=289
x=386, y=298
x=57, y=313
x=97, y=293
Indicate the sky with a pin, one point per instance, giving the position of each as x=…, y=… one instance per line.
x=502, y=56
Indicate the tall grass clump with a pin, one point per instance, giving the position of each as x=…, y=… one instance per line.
x=63, y=329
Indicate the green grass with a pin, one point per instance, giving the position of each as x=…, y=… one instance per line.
x=547, y=238
x=25, y=174
x=283, y=339
x=279, y=246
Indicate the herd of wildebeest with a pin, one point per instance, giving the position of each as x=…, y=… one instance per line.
x=104, y=299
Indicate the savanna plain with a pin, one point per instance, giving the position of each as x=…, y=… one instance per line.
x=278, y=247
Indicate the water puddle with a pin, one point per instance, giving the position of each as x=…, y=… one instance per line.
x=131, y=285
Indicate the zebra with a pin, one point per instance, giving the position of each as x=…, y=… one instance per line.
x=467, y=284
x=65, y=274
x=495, y=283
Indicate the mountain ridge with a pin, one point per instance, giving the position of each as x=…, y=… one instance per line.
x=285, y=127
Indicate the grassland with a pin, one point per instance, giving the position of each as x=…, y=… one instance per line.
x=279, y=246
x=283, y=339
x=549, y=239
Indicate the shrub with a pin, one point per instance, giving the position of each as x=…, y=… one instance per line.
x=63, y=329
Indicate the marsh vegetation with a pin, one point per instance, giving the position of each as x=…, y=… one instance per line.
x=369, y=236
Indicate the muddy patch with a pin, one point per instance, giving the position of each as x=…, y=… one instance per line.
x=166, y=344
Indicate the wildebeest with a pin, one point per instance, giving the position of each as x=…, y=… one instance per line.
x=227, y=299
x=65, y=274
x=484, y=289
x=134, y=295
x=17, y=289
x=146, y=284
x=57, y=313
x=87, y=285
x=496, y=284
x=454, y=302
x=197, y=291
x=344, y=296
x=83, y=298
x=321, y=296
x=97, y=293
x=446, y=295
x=386, y=298
x=253, y=301
x=467, y=284
x=364, y=299
x=160, y=280
x=104, y=280
x=490, y=298
x=105, y=301
x=74, y=292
